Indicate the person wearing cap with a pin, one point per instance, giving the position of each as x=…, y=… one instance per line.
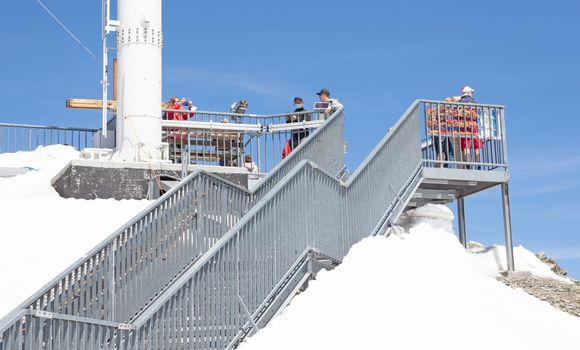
x=333, y=106
x=466, y=96
x=298, y=134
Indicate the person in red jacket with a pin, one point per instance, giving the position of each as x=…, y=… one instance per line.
x=174, y=104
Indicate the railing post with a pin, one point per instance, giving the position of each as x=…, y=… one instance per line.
x=184, y=163
x=111, y=281
x=461, y=222
x=503, y=136
x=507, y=225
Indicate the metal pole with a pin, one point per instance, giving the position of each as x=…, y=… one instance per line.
x=461, y=222
x=184, y=163
x=507, y=226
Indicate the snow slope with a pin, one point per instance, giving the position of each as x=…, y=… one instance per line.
x=418, y=290
x=41, y=233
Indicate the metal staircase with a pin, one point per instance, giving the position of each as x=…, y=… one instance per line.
x=209, y=262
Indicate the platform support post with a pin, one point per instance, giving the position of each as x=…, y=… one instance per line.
x=461, y=222
x=507, y=226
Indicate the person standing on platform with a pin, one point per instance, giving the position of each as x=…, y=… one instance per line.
x=333, y=104
x=298, y=134
x=469, y=140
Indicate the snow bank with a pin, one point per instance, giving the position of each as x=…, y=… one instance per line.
x=419, y=290
x=44, y=162
x=492, y=260
x=41, y=233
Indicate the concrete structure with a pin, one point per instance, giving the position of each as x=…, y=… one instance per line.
x=139, y=46
x=90, y=179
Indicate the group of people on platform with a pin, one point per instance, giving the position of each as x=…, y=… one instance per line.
x=297, y=135
x=463, y=137
x=179, y=104
x=453, y=128
x=183, y=109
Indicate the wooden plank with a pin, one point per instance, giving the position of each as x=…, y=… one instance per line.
x=89, y=104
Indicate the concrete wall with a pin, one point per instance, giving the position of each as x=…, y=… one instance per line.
x=90, y=180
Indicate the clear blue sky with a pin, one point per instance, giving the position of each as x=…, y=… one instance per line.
x=375, y=56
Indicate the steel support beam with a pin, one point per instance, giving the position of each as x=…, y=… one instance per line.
x=461, y=222
x=507, y=226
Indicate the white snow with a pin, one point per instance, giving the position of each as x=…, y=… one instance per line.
x=41, y=234
x=492, y=260
x=417, y=290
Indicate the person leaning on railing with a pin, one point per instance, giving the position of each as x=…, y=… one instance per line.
x=174, y=104
x=468, y=125
x=299, y=134
x=333, y=104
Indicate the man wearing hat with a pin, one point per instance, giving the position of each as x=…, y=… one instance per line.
x=466, y=96
x=334, y=105
x=298, y=134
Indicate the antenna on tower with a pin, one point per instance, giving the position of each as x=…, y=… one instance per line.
x=65, y=28
x=108, y=26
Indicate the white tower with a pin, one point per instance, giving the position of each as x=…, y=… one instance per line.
x=139, y=45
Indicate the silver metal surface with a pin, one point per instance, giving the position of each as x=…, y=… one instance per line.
x=507, y=223
x=461, y=221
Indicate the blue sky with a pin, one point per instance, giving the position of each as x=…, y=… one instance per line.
x=375, y=56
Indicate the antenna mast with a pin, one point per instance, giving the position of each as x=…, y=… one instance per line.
x=108, y=26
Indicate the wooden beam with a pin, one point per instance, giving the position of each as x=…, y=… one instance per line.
x=89, y=104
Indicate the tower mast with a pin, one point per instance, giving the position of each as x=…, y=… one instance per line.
x=139, y=48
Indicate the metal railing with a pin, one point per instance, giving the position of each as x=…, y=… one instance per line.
x=120, y=276
x=34, y=329
x=212, y=305
x=21, y=137
x=116, y=278
x=225, y=139
x=463, y=136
